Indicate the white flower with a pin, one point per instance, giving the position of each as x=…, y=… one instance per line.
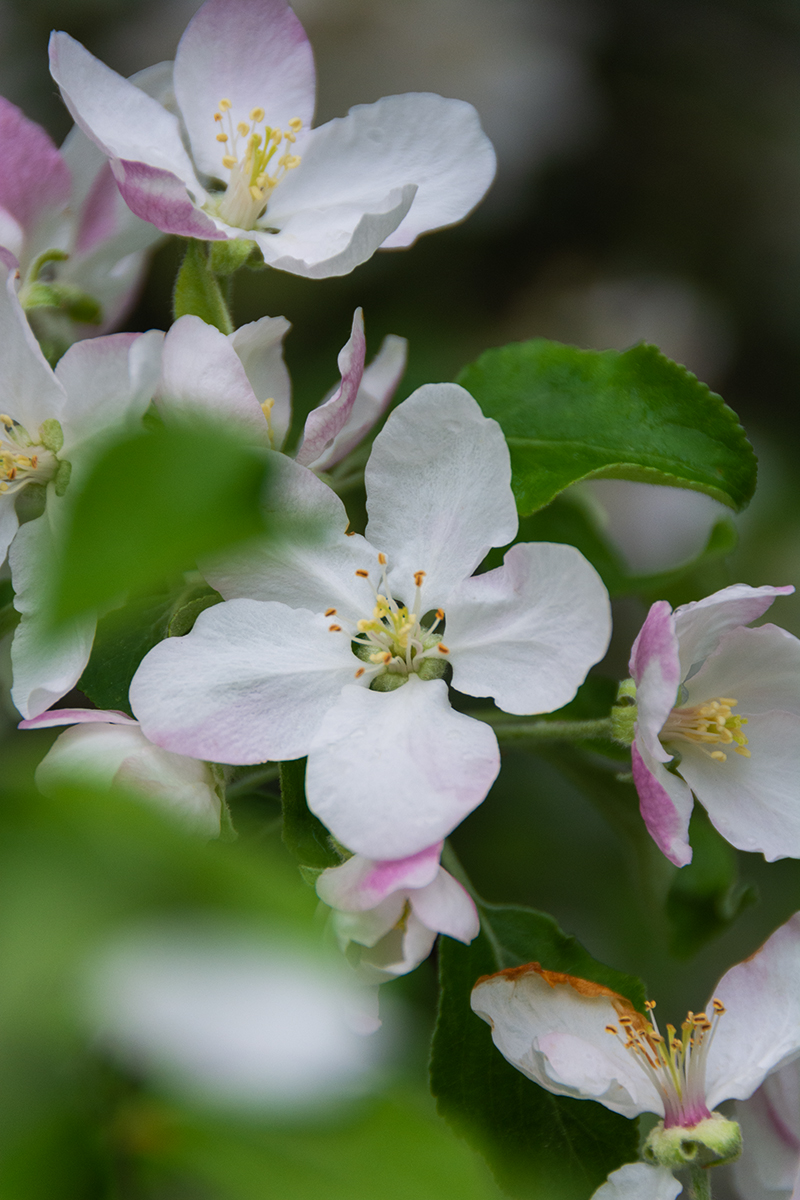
x=393, y=910
x=52, y=424
x=272, y=673
x=578, y=1038
x=769, y=1168
x=242, y=379
x=723, y=701
x=106, y=749
x=317, y=202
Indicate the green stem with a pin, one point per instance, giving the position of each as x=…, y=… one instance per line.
x=699, y=1183
x=510, y=731
x=249, y=783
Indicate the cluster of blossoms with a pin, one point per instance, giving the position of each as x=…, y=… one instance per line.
x=344, y=649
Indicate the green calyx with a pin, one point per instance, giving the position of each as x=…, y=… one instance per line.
x=228, y=256
x=51, y=435
x=712, y=1142
x=623, y=714
x=62, y=477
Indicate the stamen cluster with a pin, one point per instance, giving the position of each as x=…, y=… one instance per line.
x=711, y=723
x=251, y=180
x=676, y=1065
x=22, y=460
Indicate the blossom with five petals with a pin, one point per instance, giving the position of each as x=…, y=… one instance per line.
x=335, y=647
x=390, y=912
x=701, y=679
x=242, y=379
x=52, y=424
x=578, y=1038
x=316, y=202
x=106, y=749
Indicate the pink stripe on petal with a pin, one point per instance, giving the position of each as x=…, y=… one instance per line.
x=161, y=198
x=415, y=871
x=77, y=716
x=324, y=422
x=666, y=826
x=656, y=640
x=34, y=175
x=98, y=220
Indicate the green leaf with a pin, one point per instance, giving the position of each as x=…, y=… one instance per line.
x=152, y=505
x=126, y=634
x=304, y=835
x=184, y=617
x=706, y=896
x=572, y=414
x=197, y=291
x=540, y=1146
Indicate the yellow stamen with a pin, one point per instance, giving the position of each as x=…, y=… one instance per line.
x=257, y=115
x=224, y=105
x=295, y=124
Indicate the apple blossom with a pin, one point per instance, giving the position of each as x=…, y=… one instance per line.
x=700, y=676
x=52, y=423
x=769, y=1168
x=578, y=1038
x=389, y=913
x=334, y=647
x=242, y=378
x=316, y=202
x=107, y=749
x=62, y=217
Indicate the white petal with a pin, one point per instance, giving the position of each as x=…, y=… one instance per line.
x=399, y=951
x=754, y=802
x=420, y=139
x=390, y=773
x=439, y=491
x=325, y=422
x=252, y=52
x=12, y=235
x=656, y=669
x=760, y=1029
x=665, y=802
x=259, y=345
x=109, y=383
x=527, y=633
x=78, y=716
x=701, y=624
x=361, y=883
x=378, y=385
x=538, y=1022
x=368, y=927
x=760, y=668
x=770, y=1122
x=639, y=1181
x=8, y=524
x=201, y=375
x=251, y=682
x=313, y=567
x=446, y=907
x=29, y=391
x=122, y=119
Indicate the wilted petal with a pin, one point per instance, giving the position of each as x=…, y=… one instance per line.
x=439, y=491
x=760, y=1029
x=666, y=804
x=325, y=422
x=390, y=773
x=527, y=633
x=701, y=624
x=251, y=682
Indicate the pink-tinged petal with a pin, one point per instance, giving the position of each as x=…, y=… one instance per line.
x=118, y=116
x=754, y=802
x=447, y=907
x=78, y=716
x=640, y=1181
x=260, y=348
x=202, y=376
x=29, y=391
x=325, y=422
x=655, y=669
x=160, y=197
x=665, y=802
x=323, y=239
x=98, y=217
x=251, y=682
x=34, y=177
x=421, y=140
x=109, y=382
x=362, y=883
x=770, y=1123
x=312, y=568
x=700, y=625
x=444, y=515
x=390, y=773
x=539, y=1018
x=254, y=53
x=12, y=237
x=760, y=1030
x=759, y=668
x=527, y=633
x=378, y=385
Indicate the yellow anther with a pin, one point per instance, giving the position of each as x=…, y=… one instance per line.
x=418, y=577
x=382, y=656
x=267, y=407
x=295, y=124
x=257, y=115
x=443, y=649
x=243, y=128
x=217, y=116
x=290, y=138
x=362, y=574
x=718, y=1006
x=292, y=161
x=649, y=1005
x=222, y=137
x=611, y=1029
x=224, y=105
x=360, y=672
x=228, y=161
x=277, y=136
x=381, y=557
x=334, y=629
x=256, y=192
x=330, y=612
x=719, y=756
x=6, y=420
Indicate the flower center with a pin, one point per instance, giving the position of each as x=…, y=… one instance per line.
x=249, y=156
x=705, y=724
x=22, y=459
x=675, y=1065
x=393, y=641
